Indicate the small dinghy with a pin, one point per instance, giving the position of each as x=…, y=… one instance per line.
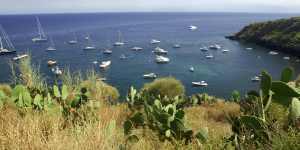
x=192, y=27
x=249, y=48
x=20, y=57
x=95, y=62
x=105, y=64
x=215, y=47
x=286, y=58
x=150, y=76
x=123, y=56
x=201, y=83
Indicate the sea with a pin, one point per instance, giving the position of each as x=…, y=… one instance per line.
x=224, y=73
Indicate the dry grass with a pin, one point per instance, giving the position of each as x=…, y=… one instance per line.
x=44, y=131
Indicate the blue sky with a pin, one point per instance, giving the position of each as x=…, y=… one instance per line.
x=64, y=6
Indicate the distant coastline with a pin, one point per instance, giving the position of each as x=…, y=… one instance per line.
x=280, y=35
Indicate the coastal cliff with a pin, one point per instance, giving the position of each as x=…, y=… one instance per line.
x=282, y=35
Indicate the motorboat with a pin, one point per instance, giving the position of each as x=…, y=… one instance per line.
x=105, y=64
x=209, y=56
x=95, y=62
x=249, y=48
x=255, y=79
x=18, y=57
x=176, y=46
x=73, y=41
x=159, y=50
x=89, y=45
x=201, y=83
x=56, y=70
x=136, y=48
x=192, y=27
x=107, y=51
x=150, y=76
x=286, y=58
x=154, y=41
x=192, y=69
x=204, y=49
x=119, y=42
x=273, y=53
x=215, y=47
x=41, y=34
x=225, y=50
x=161, y=59
x=51, y=62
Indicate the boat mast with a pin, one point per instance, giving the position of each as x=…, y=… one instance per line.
x=1, y=48
x=6, y=39
x=40, y=28
x=119, y=40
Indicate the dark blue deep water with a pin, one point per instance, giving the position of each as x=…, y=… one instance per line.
x=224, y=73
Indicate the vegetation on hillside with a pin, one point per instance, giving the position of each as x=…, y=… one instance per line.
x=282, y=34
x=84, y=113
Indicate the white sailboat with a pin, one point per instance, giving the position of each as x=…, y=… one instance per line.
x=154, y=41
x=160, y=51
x=150, y=76
x=6, y=46
x=105, y=64
x=162, y=60
x=41, y=34
x=119, y=42
x=52, y=45
x=74, y=41
x=89, y=44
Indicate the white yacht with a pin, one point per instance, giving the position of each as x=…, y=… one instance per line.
x=150, y=76
x=249, y=48
x=161, y=59
x=209, y=56
x=201, y=83
x=136, y=48
x=273, y=53
x=52, y=45
x=119, y=42
x=6, y=46
x=215, y=47
x=105, y=64
x=18, y=57
x=73, y=41
x=41, y=34
x=107, y=51
x=159, y=50
x=154, y=41
x=192, y=27
x=89, y=44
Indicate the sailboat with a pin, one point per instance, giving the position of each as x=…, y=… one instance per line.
x=41, y=34
x=52, y=46
x=74, y=41
x=119, y=42
x=89, y=44
x=4, y=39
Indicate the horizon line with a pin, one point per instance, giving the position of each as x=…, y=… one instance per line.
x=98, y=12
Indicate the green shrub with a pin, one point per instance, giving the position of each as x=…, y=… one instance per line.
x=298, y=81
x=6, y=89
x=168, y=86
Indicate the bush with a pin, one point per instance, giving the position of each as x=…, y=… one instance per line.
x=298, y=81
x=6, y=89
x=168, y=86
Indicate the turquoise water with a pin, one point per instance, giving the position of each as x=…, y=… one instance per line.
x=224, y=73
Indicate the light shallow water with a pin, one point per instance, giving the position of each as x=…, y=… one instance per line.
x=224, y=73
